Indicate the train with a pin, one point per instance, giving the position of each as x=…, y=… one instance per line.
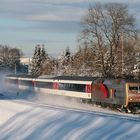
x=117, y=93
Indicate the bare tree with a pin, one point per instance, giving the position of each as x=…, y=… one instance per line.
x=9, y=58
x=83, y=61
x=103, y=28
x=50, y=66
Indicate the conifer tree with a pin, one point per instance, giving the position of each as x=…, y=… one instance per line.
x=65, y=62
x=38, y=59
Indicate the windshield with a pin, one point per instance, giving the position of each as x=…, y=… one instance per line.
x=135, y=88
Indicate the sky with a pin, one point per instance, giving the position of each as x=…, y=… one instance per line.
x=54, y=23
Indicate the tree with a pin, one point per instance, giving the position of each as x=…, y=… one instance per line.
x=83, y=61
x=124, y=61
x=9, y=58
x=137, y=56
x=50, y=66
x=38, y=60
x=103, y=28
x=65, y=62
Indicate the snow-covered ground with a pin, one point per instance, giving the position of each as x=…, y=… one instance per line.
x=27, y=116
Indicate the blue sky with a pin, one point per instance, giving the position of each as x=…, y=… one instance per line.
x=54, y=23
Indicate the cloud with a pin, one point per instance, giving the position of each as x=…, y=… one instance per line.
x=40, y=10
x=50, y=10
x=54, y=15
x=67, y=14
x=46, y=17
x=53, y=10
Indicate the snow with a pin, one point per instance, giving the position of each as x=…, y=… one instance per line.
x=21, y=121
x=9, y=111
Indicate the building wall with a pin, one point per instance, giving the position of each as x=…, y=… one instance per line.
x=25, y=60
x=26, y=64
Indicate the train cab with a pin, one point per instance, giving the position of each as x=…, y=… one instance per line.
x=133, y=92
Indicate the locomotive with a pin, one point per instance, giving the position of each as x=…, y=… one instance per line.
x=119, y=93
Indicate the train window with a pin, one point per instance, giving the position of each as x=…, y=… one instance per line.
x=44, y=84
x=13, y=81
x=133, y=88
x=72, y=87
x=25, y=83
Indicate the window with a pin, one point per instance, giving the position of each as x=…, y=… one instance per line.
x=133, y=88
x=72, y=87
x=44, y=84
x=25, y=83
x=12, y=81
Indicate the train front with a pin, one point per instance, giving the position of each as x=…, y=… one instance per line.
x=133, y=94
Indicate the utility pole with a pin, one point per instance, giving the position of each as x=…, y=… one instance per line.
x=15, y=69
x=122, y=43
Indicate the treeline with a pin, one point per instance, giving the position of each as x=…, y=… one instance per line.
x=83, y=63
x=108, y=46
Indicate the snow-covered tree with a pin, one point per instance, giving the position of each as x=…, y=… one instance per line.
x=65, y=63
x=9, y=58
x=137, y=65
x=124, y=61
x=83, y=62
x=38, y=60
x=50, y=66
x=103, y=28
